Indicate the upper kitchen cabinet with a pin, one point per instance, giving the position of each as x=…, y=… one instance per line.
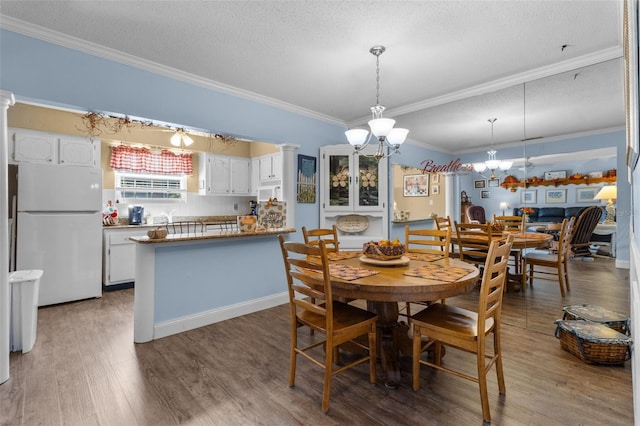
x=270, y=169
x=50, y=148
x=353, y=195
x=224, y=175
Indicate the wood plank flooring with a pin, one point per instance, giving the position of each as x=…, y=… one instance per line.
x=86, y=370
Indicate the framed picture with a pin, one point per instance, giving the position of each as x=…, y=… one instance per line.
x=494, y=183
x=435, y=189
x=528, y=197
x=555, y=175
x=306, y=179
x=586, y=195
x=485, y=194
x=556, y=196
x=416, y=185
x=435, y=178
x=479, y=184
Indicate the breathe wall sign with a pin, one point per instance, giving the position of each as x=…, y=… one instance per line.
x=454, y=166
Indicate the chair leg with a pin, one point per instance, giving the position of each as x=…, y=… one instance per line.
x=293, y=355
x=372, y=356
x=497, y=347
x=561, y=280
x=523, y=283
x=482, y=383
x=415, y=362
x=566, y=274
x=328, y=369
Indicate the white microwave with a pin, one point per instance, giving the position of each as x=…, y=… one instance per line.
x=269, y=192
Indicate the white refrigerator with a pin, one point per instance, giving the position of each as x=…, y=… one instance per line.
x=59, y=230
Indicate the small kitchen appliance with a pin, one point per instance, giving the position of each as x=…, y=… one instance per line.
x=136, y=215
x=253, y=206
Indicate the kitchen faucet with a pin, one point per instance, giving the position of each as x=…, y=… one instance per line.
x=169, y=215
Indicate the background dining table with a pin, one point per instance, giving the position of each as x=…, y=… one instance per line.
x=385, y=286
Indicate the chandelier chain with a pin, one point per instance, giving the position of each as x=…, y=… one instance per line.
x=378, y=79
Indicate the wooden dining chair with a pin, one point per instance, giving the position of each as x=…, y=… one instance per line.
x=512, y=224
x=426, y=241
x=339, y=322
x=468, y=330
x=443, y=222
x=552, y=266
x=473, y=241
x=328, y=235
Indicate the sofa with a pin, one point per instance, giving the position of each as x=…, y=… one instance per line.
x=550, y=214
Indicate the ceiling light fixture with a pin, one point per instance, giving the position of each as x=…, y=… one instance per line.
x=180, y=138
x=381, y=128
x=492, y=164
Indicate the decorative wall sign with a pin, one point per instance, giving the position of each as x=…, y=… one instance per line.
x=555, y=175
x=416, y=185
x=306, y=179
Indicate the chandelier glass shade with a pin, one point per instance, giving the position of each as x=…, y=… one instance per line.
x=389, y=138
x=180, y=138
x=492, y=163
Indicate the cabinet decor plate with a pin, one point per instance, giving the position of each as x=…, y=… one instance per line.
x=352, y=223
x=404, y=260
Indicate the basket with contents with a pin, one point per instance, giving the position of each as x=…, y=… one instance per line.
x=383, y=250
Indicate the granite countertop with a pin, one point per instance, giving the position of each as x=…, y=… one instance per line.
x=207, y=220
x=209, y=235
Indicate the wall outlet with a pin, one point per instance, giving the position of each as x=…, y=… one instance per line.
x=235, y=207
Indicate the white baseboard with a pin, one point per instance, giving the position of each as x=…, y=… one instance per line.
x=201, y=319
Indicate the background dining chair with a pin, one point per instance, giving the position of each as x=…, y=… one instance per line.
x=475, y=214
x=468, y=330
x=443, y=222
x=553, y=264
x=339, y=321
x=512, y=224
x=328, y=235
x=473, y=240
x=586, y=223
x=426, y=241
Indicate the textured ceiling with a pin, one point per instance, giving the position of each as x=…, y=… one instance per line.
x=449, y=65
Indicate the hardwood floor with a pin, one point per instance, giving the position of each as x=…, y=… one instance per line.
x=86, y=370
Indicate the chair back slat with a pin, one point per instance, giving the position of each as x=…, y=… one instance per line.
x=493, y=281
x=328, y=235
x=427, y=241
x=443, y=223
x=510, y=223
x=473, y=241
x=585, y=225
x=564, y=241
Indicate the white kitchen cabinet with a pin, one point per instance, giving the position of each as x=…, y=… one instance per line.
x=119, y=255
x=223, y=175
x=270, y=168
x=30, y=146
x=255, y=176
x=353, y=195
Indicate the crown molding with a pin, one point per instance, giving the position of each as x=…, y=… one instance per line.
x=503, y=83
x=64, y=40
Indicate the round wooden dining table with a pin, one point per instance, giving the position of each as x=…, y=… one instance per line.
x=389, y=286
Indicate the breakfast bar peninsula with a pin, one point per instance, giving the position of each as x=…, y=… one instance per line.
x=185, y=281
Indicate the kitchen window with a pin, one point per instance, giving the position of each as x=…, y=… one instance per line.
x=150, y=187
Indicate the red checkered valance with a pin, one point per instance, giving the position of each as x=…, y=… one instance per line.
x=142, y=160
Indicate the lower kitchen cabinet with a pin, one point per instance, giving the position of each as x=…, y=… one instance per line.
x=119, y=256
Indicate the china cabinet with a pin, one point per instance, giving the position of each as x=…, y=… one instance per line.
x=353, y=195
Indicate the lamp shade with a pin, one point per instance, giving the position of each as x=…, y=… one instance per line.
x=609, y=192
x=504, y=205
x=397, y=136
x=357, y=136
x=381, y=127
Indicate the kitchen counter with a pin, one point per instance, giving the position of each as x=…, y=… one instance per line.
x=207, y=235
x=191, y=280
x=206, y=220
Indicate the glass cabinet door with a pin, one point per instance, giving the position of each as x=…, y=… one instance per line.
x=368, y=182
x=339, y=180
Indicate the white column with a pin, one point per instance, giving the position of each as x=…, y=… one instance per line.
x=449, y=196
x=289, y=181
x=6, y=100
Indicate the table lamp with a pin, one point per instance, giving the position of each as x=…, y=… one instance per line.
x=504, y=206
x=609, y=193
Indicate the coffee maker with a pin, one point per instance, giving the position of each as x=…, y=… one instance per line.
x=253, y=206
x=136, y=215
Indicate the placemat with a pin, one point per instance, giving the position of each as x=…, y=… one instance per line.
x=349, y=273
x=438, y=272
x=341, y=255
x=425, y=257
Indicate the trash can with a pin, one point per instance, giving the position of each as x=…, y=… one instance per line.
x=24, y=309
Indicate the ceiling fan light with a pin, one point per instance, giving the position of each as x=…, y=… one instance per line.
x=381, y=127
x=356, y=137
x=186, y=139
x=175, y=139
x=397, y=136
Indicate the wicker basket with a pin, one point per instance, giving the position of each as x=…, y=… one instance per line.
x=375, y=251
x=594, y=313
x=593, y=343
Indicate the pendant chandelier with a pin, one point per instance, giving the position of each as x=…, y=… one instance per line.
x=492, y=164
x=389, y=138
